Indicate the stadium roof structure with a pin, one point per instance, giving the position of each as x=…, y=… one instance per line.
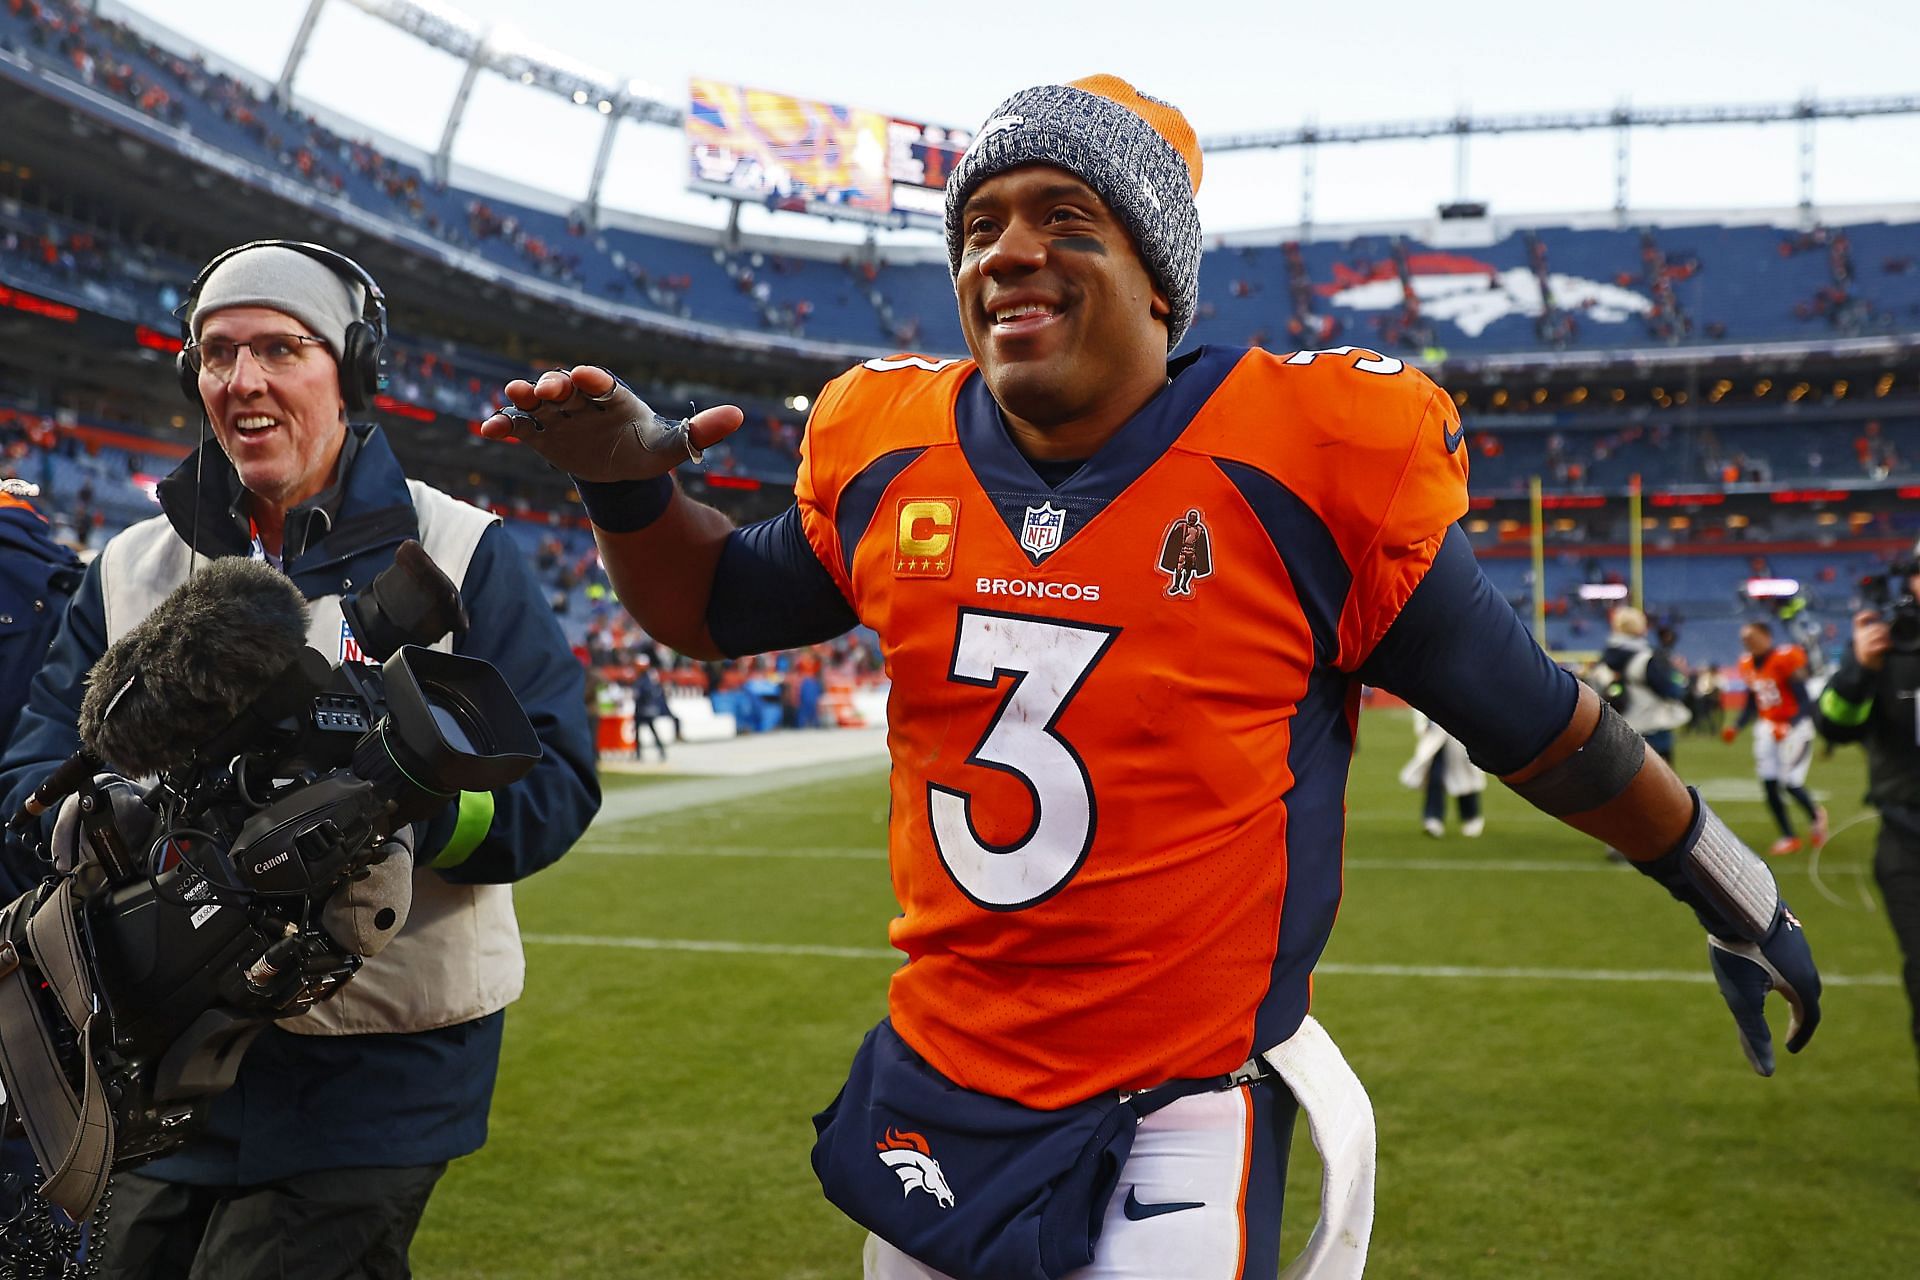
x=226, y=185
x=514, y=56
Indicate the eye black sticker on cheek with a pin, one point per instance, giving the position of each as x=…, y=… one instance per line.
x=1081, y=244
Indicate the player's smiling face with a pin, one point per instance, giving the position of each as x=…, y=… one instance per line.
x=282, y=430
x=1066, y=325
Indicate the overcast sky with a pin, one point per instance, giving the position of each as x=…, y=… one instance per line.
x=1228, y=65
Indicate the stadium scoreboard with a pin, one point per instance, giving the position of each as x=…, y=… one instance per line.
x=760, y=146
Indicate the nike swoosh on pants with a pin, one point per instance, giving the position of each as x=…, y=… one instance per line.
x=1139, y=1212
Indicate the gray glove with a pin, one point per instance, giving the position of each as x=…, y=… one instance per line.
x=132, y=818
x=614, y=436
x=364, y=915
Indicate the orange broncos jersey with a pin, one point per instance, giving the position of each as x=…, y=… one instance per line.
x=1123, y=709
x=1776, y=683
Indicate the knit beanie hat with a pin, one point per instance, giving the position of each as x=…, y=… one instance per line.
x=271, y=275
x=1138, y=154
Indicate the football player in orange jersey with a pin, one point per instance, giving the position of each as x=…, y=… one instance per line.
x=1781, y=714
x=1127, y=603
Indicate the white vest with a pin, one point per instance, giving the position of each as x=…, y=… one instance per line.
x=1646, y=711
x=458, y=955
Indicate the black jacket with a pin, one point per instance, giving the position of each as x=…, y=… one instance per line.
x=1878, y=708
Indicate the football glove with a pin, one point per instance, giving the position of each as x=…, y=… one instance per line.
x=1747, y=971
x=1755, y=944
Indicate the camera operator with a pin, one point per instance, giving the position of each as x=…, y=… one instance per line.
x=1638, y=679
x=320, y=1160
x=1870, y=699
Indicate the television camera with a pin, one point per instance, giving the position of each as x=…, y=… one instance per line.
x=269, y=856
x=1890, y=594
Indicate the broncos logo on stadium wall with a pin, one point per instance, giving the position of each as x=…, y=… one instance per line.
x=907, y=1154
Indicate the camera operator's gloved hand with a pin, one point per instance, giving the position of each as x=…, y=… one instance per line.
x=591, y=425
x=364, y=915
x=132, y=818
x=1747, y=971
x=1872, y=638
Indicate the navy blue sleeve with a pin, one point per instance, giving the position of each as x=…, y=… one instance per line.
x=539, y=817
x=1664, y=680
x=1458, y=652
x=772, y=592
x=46, y=734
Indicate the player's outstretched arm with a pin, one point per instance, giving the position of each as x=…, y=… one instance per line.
x=1457, y=652
x=660, y=548
x=1599, y=777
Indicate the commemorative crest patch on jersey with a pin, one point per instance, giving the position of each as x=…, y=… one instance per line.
x=1186, y=553
x=1040, y=532
x=923, y=537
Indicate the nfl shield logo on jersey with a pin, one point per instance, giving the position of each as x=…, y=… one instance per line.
x=349, y=647
x=1040, y=533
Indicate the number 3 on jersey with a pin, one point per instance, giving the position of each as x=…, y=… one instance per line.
x=1049, y=661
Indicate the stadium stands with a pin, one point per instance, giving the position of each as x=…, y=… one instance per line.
x=1808, y=472
x=1543, y=286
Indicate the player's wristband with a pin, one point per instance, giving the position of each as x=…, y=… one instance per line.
x=1725, y=883
x=625, y=506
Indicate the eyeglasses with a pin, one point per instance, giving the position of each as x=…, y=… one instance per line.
x=273, y=352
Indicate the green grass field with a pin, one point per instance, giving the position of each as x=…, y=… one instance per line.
x=1558, y=1086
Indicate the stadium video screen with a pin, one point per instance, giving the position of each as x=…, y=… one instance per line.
x=919, y=158
x=815, y=157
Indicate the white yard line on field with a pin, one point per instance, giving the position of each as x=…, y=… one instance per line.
x=613, y=848
x=1469, y=972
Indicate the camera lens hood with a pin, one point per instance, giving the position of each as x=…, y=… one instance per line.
x=453, y=724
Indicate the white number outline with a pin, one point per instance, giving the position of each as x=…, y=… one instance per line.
x=888, y=364
x=1024, y=725
x=1378, y=363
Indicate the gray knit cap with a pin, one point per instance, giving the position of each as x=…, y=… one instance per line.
x=1138, y=154
x=284, y=279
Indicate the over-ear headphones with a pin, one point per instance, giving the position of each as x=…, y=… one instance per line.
x=366, y=340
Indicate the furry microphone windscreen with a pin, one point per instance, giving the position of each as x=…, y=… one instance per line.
x=199, y=659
